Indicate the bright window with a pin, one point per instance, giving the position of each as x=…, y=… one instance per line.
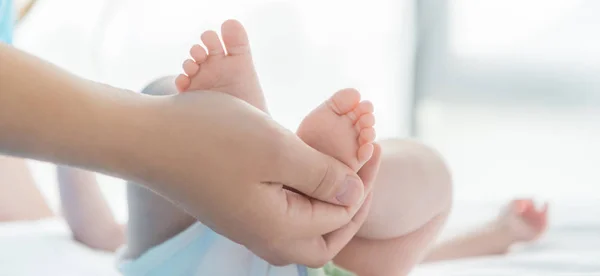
x=509, y=91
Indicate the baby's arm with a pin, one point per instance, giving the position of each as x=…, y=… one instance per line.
x=486, y=241
x=86, y=211
x=519, y=221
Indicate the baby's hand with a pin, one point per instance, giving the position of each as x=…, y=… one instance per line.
x=523, y=221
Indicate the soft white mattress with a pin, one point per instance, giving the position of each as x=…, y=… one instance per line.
x=46, y=248
x=571, y=247
x=567, y=251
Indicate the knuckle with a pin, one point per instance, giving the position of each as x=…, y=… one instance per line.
x=325, y=187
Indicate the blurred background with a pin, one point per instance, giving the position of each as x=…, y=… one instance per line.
x=506, y=90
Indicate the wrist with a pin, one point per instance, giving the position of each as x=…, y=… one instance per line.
x=121, y=124
x=500, y=237
x=91, y=130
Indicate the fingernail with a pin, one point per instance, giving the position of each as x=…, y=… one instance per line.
x=351, y=191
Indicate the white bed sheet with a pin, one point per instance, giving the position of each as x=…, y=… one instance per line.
x=570, y=247
x=46, y=248
x=574, y=251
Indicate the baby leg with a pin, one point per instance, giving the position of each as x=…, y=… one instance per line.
x=411, y=200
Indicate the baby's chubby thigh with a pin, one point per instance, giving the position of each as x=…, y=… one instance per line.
x=412, y=197
x=413, y=187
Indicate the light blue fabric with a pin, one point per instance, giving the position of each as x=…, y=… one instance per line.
x=174, y=256
x=6, y=21
x=198, y=251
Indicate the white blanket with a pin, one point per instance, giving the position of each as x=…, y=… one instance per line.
x=567, y=251
x=571, y=247
x=46, y=248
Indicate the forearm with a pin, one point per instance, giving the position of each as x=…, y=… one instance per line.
x=48, y=114
x=483, y=242
x=86, y=211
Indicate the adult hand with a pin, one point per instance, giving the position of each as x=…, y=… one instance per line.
x=233, y=168
x=222, y=160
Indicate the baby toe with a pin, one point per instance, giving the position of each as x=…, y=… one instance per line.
x=198, y=53
x=367, y=135
x=182, y=82
x=365, y=121
x=190, y=67
x=344, y=101
x=365, y=152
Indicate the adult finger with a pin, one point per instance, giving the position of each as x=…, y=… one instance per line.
x=319, y=176
x=315, y=251
x=315, y=217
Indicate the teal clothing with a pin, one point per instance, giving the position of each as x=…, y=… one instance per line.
x=199, y=251
x=6, y=21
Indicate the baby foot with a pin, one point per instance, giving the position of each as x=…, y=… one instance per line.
x=341, y=127
x=522, y=221
x=228, y=70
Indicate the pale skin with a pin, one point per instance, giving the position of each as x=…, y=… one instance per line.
x=213, y=175
x=411, y=202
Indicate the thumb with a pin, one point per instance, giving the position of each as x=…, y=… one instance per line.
x=320, y=176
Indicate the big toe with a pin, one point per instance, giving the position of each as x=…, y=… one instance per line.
x=235, y=38
x=344, y=101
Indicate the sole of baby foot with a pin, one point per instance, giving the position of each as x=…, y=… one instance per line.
x=342, y=127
